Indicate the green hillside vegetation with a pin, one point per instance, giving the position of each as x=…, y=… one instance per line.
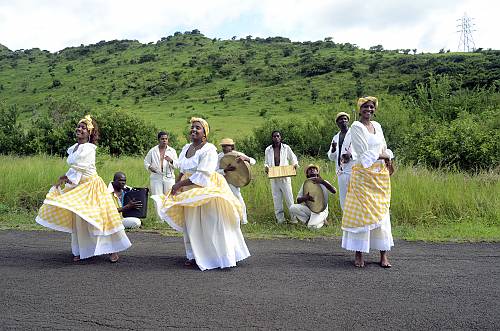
x=244, y=85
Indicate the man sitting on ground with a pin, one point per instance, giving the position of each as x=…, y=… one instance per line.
x=300, y=209
x=117, y=188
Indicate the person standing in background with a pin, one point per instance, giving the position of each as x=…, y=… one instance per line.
x=161, y=161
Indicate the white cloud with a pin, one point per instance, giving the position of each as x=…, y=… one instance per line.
x=427, y=25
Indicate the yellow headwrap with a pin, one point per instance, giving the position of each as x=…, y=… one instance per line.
x=363, y=100
x=203, y=123
x=88, y=121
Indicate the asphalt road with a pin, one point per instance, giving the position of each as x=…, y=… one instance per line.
x=285, y=284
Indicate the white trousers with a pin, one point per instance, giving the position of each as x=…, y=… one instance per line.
x=379, y=238
x=85, y=244
x=305, y=215
x=131, y=222
x=343, y=180
x=160, y=184
x=237, y=193
x=282, y=189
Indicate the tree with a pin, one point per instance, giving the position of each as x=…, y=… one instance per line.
x=222, y=93
x=314, y=95
x=377, y=48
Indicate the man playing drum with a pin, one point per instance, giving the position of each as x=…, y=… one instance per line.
x=315, y=197
x=227, y=145
x=279, y=154
x=117, y=188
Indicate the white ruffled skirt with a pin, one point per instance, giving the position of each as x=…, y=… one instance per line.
x=378, y=238
x=211, y=241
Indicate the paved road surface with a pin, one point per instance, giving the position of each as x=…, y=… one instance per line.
x=285, y=284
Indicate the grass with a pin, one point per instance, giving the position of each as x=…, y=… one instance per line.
x=426, y=205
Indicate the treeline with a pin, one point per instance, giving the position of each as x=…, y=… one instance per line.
x=442, y=126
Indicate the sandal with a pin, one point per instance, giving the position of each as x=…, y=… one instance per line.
x=76, y=258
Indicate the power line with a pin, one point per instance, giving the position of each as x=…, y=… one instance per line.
x=466, y=27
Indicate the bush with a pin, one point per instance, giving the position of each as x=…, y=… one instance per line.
x=52, y=132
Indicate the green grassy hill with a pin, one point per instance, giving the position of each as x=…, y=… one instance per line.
x=183, y=75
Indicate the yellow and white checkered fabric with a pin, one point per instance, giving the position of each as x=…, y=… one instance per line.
x=171, y=207
x=89, y=199
x=368, y=196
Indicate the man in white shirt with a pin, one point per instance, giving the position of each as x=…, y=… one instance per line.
x=227, y=145
x=117, y=189
x=340, y=153
x=161, y=161
x=301, y=211
x=279, y=154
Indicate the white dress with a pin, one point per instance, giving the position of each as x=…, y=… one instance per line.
x=212, y=234
x=84, y=208
x=366, y=148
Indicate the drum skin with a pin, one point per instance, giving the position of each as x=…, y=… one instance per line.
x=314, y=190
x=239, y=177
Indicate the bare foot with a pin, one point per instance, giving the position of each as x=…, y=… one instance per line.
x=76, y=258
x=113, y=258
x=358, y=260
x=384, y=260
x=190, y=263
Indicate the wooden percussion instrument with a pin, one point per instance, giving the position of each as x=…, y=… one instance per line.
x=238, y=177
x=316, y=192
x=139, y=194
x=282, y=171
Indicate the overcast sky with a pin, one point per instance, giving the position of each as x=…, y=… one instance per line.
x=427, y=25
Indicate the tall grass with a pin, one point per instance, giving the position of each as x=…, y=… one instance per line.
x=426, y=204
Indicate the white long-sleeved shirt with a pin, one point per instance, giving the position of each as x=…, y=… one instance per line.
x=346, y=148
x=366, y=146
x=286, y=156
x=201, y=165
x=166, y=168
x=81, y=162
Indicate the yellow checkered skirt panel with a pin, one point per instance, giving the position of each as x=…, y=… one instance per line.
x=89, y=200
x=170, y=208
x=368, y=196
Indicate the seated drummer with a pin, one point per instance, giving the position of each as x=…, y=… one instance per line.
x=117, y=188
x=300, y=209
x=227, y=145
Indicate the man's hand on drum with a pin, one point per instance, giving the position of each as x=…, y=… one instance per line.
x=242, y=158
x=307, y=197
x=133, y=204
x=63, y=180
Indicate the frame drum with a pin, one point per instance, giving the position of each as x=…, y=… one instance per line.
x=315, y=191
x=240, y=176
